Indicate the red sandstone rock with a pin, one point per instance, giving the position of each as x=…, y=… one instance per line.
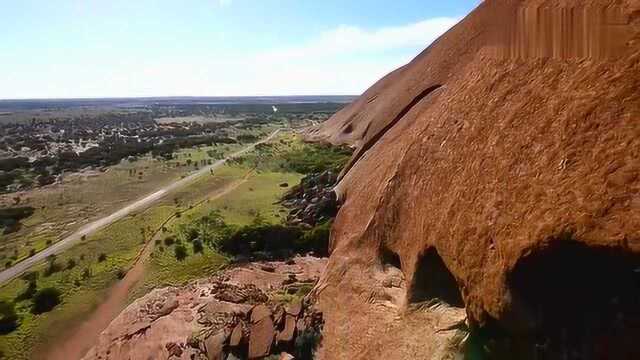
x=288, y=332
x=214, y=346
x=294, y=308
x=236, y=335
x=261, y=338
x=141, y=333
x=514, y=131
x=260, y=312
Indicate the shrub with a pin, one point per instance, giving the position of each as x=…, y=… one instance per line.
x=316, y=240
x=29, y=292
x=45, y=300
x=102, y=257
x=168, y=241
x=263, y=238
x=8, y=318
x=197, y=246
x=313, y=158
x=52, y=267
x=86, y=273
x=181, y=252
x=71, y=263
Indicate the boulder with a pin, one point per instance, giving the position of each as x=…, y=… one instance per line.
x=294, y=308
x=278, y=315
x=174, y=349
x=261, y=338
x=214, y=346
x=231, y=296
x=260, y=312
x=287, y=333
x=236, y=335
x=167, y=307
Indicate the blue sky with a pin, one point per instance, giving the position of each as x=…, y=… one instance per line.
x=92, y=48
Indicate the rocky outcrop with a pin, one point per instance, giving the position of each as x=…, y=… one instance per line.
x=497, y=173
x=240, y=313
x=313, y=201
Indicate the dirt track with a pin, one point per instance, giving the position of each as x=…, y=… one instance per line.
x=94, y=226
x=84, y=336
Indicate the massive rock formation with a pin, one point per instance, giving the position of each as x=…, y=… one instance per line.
x=498, y=171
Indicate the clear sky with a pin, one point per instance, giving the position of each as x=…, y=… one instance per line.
x=123, y=48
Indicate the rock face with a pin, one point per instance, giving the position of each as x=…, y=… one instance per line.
x=231, y=315
x=497, y=173
x=313, y=201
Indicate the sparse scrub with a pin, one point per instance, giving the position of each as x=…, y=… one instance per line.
x=8, y=318
x=168, y=241
x=197, y=247
x=46, y=300
x=180, y=252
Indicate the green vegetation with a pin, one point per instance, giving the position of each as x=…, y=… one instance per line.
x=38, y=218
x=45, y=300
x=10, y=218
x=8, y=318
x=273, y=241
x=81, y=287
x=195, y=231
x=181, y=252
x=315, y=158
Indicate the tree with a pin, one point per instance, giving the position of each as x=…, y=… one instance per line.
x=45, y=300
x=52, y=266
x=102, y=257
x=169, y=240
x=8, y=318
x=30, y=291
x=197, y=246
x=181, y=252
x=86, y=273
x=71, y=263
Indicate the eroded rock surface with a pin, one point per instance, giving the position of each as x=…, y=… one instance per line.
x=503, y=162
x=236, y=313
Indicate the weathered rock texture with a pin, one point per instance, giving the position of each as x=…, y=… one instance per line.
x=235, y=312
x=505, y=162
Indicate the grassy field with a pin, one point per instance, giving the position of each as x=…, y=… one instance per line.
x=83, y=285
x=62, y=209
x=256, y=190
x=258, y=193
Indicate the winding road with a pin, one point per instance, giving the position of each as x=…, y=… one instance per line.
x=96, y=225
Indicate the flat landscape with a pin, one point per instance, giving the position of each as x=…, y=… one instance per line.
x=98, y=273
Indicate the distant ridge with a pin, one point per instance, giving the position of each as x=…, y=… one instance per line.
x=32, y=104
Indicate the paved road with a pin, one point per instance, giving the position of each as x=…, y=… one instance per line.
x=94, y=226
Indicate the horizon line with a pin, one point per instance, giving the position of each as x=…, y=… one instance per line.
x=169, y=97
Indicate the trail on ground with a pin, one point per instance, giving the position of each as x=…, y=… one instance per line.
x=85, y=335
x=140, y=204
